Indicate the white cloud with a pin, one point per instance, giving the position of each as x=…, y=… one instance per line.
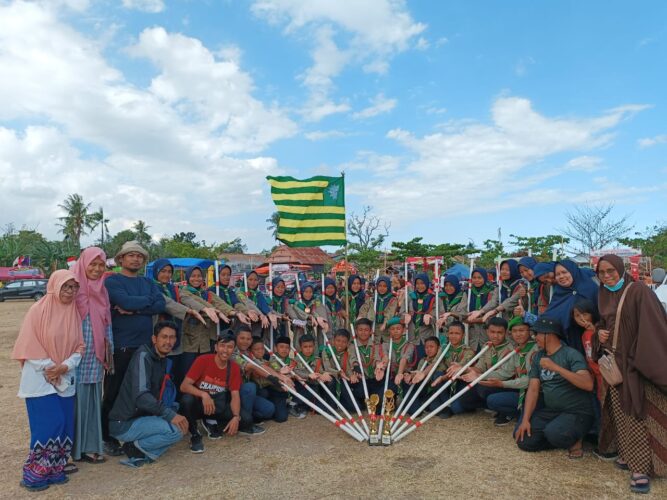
x=132, y=150
x=150, y=6
x=441, y=41
x=374, y=31
x=647, y=142
x=462, y=162
x=422, y=44
x=584, y=163
x=379, y=105
x=522, y=65
x=319, y=135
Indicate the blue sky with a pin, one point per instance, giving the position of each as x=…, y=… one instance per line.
x=450, y=119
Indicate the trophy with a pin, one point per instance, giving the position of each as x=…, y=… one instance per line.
x=389, y=405
x=371, y=405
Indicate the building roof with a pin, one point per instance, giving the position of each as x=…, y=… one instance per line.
x=242, y=258
x=312, y=256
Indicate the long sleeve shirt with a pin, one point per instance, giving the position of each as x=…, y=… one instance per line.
x=140, y=296
x=33, y=384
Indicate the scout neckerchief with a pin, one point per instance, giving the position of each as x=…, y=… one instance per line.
x=479, y=296
x=449, y=301
x=228, y=295
x=241, y=361
x=383, y=303
x=307, y=306
x=353, y=301
x=508, y=288
x=313, y=358
x=279, y=304
x=367, y=353
x=542, y=298
x=343, y=366
x=422, y=303
x=455, y=355
x=168, y=290
x=523, y=370
x=420, y=367
x=333, y=304
x=202, y=293
x=496, y=350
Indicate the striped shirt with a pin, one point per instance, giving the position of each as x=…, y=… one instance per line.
x=90, y=370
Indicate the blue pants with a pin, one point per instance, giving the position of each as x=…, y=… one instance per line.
x=151, y=435
x=357, y=390
x=477, y=397
x=505, y=403
x=279, y=400
x=553, y=429
x=259, y=407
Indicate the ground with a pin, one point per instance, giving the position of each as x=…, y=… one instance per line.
x=463, y=457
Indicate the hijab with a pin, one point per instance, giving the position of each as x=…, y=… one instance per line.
x=332, y=301
x=168, y=289
x=226, y=292
x=306, y=286
x=542, y=268
x=383, y=299
x=199, y=292
x=479, y=296
x=279, y=302
x=51, y=329
x=359, y=297
x=528, y=262
x=507, y=286
x=256, y=296
x=451, y=299
x=563, y=299
x=93, y=299
x=426, y=297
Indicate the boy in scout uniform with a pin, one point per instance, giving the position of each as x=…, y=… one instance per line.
x=346, y=359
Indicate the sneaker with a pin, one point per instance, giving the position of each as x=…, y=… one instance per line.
x=132, y=451
x=502, y=420
x=446, y=413
x=112, y=448
x=607, y=457
x=493, y=413
x=196, y=444
x=254, y=430
x=297, y=413
x=213, y=430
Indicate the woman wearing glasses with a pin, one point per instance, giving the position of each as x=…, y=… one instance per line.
x=49, y=348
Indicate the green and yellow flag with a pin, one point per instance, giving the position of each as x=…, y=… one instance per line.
x=312, y=211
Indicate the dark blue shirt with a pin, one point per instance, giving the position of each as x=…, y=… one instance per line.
x=143, y=298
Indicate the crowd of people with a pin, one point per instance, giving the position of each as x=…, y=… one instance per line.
x=127, y=365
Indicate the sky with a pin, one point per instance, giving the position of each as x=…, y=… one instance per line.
x=451, y=119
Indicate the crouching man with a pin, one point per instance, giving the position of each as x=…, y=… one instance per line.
x=141, y=418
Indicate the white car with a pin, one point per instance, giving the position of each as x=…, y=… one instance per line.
x=659, y=277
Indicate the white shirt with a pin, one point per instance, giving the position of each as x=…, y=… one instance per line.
x=34, y=384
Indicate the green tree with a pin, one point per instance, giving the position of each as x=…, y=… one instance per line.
x=234, y=246
x=541, y=247
x=491, y=251
x=652, y=242
x=77, y=220
x=141, y=233
x=413, y=248
x=114, y=244
x=274, y=222
x=103, y=223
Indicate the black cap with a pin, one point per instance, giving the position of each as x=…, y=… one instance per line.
x=226, y=336
x=548, y=325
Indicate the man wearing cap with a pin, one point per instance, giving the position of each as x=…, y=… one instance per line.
x=134, y=300
x=562, y=374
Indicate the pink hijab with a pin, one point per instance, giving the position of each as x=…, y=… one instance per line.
x=93, y=298
x=51, y=329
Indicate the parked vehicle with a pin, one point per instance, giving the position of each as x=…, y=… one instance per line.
x=659, y=277
x=24, y=289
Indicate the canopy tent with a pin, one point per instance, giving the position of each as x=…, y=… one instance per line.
x=461, y=271
x=181, y=264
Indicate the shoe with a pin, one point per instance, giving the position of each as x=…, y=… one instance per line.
x=112, y=448
x=297, y=413
x=493, y=413
x=446, y=413
x=607, y=457
x=254, y=430
x=502, y=420
x=213, y=430
x=132, y=451
x=196, y=444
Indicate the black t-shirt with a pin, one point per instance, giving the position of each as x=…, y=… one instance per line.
x=559, y=394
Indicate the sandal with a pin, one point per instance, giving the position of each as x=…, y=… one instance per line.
x=636, y=486
x=93, y=459
x=621, y=464
x=575, y=453
x=70, y=468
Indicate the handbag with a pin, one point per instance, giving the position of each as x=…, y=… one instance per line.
x=608, y=367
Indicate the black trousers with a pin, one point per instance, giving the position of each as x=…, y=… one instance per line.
x=112, y=383
x=192, y=408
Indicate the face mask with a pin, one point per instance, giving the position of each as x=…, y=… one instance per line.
x=617, y=286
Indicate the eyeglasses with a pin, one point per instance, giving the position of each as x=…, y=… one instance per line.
x=70, y=288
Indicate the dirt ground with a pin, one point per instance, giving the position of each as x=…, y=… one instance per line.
x=463, y=457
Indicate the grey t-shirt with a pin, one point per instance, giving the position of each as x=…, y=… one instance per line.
x=559, y=394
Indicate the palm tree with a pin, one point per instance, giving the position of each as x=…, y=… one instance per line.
x=102, y=222
x=274, y=222
x=141, y=230
x=77, y=221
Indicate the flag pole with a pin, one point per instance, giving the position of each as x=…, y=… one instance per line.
x=271, y=295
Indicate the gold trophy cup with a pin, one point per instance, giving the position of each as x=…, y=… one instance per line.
x=371, y=405
x=389, y=405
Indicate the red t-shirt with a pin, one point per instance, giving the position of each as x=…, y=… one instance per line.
x=212, y=379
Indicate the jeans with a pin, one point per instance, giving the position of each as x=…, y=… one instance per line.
x=193, y=409
x=152, y=435
x=251, y=402
x=112, y=383
x=279, y=400
x=505, y=403
x=554, y=429
x=477, y=397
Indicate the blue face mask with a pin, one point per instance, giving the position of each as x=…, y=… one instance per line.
x=617, y=286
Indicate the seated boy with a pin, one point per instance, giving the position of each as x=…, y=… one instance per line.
x=507, y=405
x=403, y=356
x=278, y=396
x=346, y=360
x=562, y=375
x=138, y=417
x=370, y=356
x=211, y=390
x=424, y=367
x=458, y=354
x=308, y=354
x=496, y=330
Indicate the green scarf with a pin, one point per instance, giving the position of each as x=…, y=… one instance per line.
x=483, y=290
x=523, y=359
